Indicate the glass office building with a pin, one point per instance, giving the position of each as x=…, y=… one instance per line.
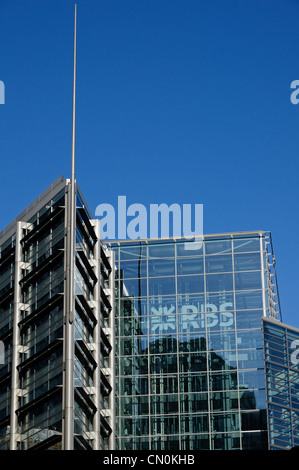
x=282, y=383
x=190, y=369
x=140, y=345
x=57, y=375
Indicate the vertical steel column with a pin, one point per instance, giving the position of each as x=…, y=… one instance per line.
x=68, y=432
x=97, y=341
x=112, y=352
x=16, y=341
x=69, y=297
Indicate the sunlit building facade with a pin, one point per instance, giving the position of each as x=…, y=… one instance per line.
x=57, y=376
x=190, y=366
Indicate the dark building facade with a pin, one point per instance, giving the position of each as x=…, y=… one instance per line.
x=56, y=380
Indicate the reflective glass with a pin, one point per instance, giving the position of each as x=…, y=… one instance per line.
x=189, y=248
x=246, y=244
x=190, y=266
x=219, y=282
x=249, y=300
x=191, y=303
x=222, y=341
x=161, y=286
x=218, y=264
x=190, y=284
x=132, y=269
x=161, y=267
x=131, y=252
x=247, y=262
x=161, y=250
x=248, y=339
x=213, y=247
x=162, y=305
x=248, y=280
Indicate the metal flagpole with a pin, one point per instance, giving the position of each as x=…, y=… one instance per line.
x=68, y=434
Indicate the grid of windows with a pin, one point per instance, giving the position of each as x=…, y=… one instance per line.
x=190, y=367
x=282, y=379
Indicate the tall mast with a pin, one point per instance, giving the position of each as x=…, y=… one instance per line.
x=69, y=305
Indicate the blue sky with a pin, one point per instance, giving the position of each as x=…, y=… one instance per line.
x=177, y=102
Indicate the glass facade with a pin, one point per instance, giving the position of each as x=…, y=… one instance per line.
x=282, y=384
x=189, y=352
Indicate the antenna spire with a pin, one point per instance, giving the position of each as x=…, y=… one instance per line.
x=74, y=102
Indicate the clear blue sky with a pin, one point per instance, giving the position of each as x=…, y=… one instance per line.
x=177, y=101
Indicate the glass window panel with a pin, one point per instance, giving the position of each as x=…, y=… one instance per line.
x=249, y=300
x=130, y=252
x=252, y=399
x=190, y=383
x=163, y=344
x=161, y=250
x=193, y=402
x=133, y=307
x=131, y=326
x=132, y=269
x=220, y=321
x=161, y=286
x=249, y=319
x=223, y=381
x=162, y=305
x=195, y=442
x=220, y=302
x=134, y=406
x=164, y=425
x=223, y=360
x=134, y=426
x=251, y=359
x=135, y=385
x=190, y=284
x=133, y=288
x=192, y=342
x=219, y=282
x=247, y=262
x=162, y=324
x=164, y=404
x=229, y=441
x=218, y=264
x=254, y=440
x=243, y=245
x=190, y=266
x=189, y=248
x=192, y=362
x=192, y=322
x=130, y=365
x=252, y=379
x=193, y=303
x=222, y=341
x=223, y=401
x=194, y=423
x=163, y=364
x=162, y=384
x=161, y=267
x=247, y=339
x=134, y=444
x=213, y=247
x=248, y=280
x=224, y=422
